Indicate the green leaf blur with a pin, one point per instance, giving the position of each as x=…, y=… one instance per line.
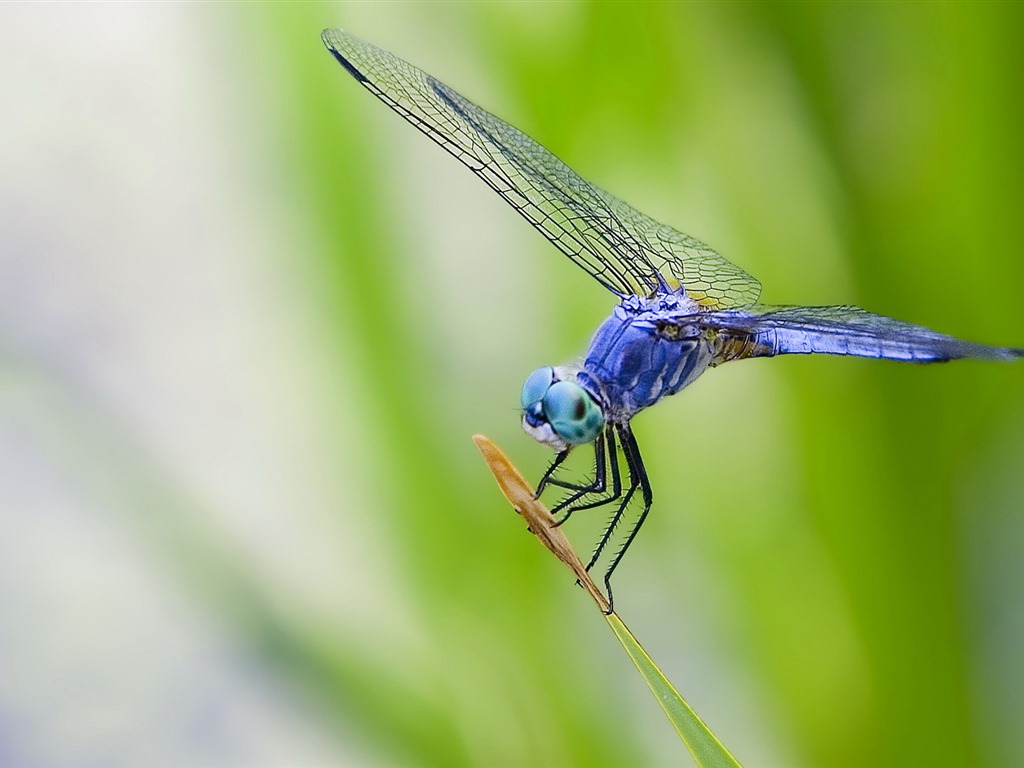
x=706, y=749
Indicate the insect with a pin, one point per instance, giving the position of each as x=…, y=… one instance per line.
x=682, y=309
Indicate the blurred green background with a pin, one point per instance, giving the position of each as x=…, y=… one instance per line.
x=249, y=319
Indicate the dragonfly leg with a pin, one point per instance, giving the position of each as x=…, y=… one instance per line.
x=612, y=524
x=606, y=462
x=579, y=490
x=591, y=485
x=562, y=456
x=599, y=486
x=637, y=479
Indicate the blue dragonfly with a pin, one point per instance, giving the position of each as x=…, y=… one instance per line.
x=682, y=307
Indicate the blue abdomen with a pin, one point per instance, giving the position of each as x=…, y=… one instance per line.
x=636, y=361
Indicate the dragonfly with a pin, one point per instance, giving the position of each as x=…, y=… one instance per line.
x=682, y=307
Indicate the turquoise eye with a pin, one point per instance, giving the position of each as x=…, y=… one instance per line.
x=536, y=386
x=572, y=413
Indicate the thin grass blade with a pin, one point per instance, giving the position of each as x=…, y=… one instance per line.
x=704, y=746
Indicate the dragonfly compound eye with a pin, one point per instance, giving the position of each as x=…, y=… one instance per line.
x=572, y=412
x=536, y=386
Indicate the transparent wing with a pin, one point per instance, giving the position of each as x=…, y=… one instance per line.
x=623, y=249
x=764, y=331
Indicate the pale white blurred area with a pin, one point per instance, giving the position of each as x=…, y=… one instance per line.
x=146, y=278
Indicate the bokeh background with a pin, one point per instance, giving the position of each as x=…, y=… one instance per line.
x=249, y=320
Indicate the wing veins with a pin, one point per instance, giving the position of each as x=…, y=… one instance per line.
x=623, y=249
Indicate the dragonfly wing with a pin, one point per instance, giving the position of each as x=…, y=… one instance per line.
x=765, y=331
x=620, y=247
x=682, y=260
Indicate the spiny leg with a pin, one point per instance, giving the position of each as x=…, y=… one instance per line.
x=599, y=486
x=596, y=486
x=599, y=469
x=613, y=523
x=562, y=456
x=637, y=478
x=579, y=490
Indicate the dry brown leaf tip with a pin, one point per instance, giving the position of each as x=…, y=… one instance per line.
x=538, y=519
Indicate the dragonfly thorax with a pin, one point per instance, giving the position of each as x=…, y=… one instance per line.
x=648, y=349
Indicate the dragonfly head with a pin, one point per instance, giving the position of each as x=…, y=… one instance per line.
x=557, y=411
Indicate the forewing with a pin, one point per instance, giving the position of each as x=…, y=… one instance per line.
x=682, y=260
x=620, y=247
x=764, y=331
